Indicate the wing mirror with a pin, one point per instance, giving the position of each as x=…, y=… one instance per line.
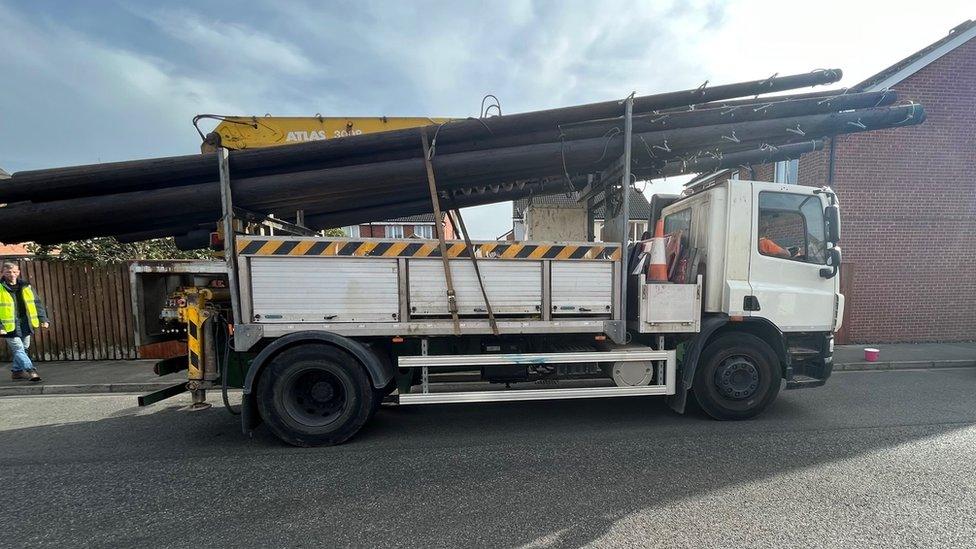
x=833, y=262
x=832, y=215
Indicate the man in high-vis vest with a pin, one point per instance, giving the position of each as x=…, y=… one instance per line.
x=21, y=312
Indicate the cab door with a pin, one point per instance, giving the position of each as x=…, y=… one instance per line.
x=789, y=249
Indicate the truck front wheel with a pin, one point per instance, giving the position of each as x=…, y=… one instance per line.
x=737, y=378
x=314, y=395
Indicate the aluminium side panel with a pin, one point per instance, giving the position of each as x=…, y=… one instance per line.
x=324, y=289
x=514, y=287
x=582, y=287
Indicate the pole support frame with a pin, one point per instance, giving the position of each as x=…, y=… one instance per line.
x=625, y=215
x=230, y=237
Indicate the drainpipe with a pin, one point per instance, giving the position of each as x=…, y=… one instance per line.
x=830, y=163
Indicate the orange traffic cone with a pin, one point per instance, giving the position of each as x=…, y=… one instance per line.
x=658, y=269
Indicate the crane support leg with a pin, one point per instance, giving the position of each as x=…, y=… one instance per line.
x=202, y=368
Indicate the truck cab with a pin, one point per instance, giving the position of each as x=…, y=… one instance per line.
x=768, y=261
x=764, y=248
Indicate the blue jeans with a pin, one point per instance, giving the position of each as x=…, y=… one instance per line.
x=18, y=349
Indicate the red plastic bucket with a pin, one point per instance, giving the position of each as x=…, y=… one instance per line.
x=871, y=355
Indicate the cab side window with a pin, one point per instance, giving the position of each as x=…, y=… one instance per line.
x=677, y=227
x=791, y=226
x=678, y=221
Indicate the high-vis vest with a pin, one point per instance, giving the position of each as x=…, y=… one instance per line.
x=8, y=309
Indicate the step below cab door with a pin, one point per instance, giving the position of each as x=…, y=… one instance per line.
x=789, y=249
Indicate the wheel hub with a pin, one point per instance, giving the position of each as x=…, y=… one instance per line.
x=315, y=397
x=322, y=392
x=737, y=378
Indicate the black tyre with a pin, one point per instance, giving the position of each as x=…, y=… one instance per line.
x=378, y=396
x=315, y=395
x=738, y=376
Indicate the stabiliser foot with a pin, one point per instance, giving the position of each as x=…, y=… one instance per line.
x=199, y=401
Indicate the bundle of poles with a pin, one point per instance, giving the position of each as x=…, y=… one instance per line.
x=373, y=177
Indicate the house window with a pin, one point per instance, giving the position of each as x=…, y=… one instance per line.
x=423, y=231
x=352, y=231
x=637, y=229
x=787, y=171
x=394, y=231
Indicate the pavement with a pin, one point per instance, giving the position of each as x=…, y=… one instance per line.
x=873, y=459
x=127, y=376
x=900, y=356
x=91, y=376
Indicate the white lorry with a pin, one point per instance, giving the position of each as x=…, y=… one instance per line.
x=331, y=327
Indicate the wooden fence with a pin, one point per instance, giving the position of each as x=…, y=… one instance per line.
x=90, y=307
x=847, y=270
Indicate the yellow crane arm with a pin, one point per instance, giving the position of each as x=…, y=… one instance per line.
x=250, y=132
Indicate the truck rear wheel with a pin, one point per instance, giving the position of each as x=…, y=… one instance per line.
x=737, y=378
x=315, y=395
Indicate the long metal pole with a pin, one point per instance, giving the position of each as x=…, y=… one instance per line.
x=625, y=214
x=230, y=241
x=403, y=180
x=142, y=175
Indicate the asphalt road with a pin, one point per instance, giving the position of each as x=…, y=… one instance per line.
x=873, y=459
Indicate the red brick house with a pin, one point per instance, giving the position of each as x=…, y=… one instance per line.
x=908, y=202
x=414, y=226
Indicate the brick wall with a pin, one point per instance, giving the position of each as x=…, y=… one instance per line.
x=375, y=230
x=908, y=203
x=784, y=229
x=908, y=211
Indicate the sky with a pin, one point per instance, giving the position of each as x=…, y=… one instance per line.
x=86, y=82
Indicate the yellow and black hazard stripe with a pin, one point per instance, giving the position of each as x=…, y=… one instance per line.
x=194, y=343
x=425, y=248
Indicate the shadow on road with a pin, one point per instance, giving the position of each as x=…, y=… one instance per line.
x=540, y=473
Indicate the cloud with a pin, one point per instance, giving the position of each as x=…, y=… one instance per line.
x=439, y=58
x=70, y=99
x=232, y=42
